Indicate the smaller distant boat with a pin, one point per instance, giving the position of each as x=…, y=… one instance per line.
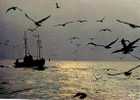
x=28, y=60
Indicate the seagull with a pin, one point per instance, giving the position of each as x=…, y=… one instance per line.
x=108, y=46
x=14, y=8
x=57, y=5
x=6, y=43
x=81, y=95
x=91, y=38
x=127, y=23
x=105, y=29
x=82, y=21
x=101, y=20
x=126, y=73
x=64, y=24
x=4, y=82
x=123, y=41
x=92, y=43
x=74, y=38
x=37, y=23
x=127, y=48
x=78, y=45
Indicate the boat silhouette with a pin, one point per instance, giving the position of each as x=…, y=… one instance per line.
x=28, y=61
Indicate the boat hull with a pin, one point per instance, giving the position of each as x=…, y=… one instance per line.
x=38, y=63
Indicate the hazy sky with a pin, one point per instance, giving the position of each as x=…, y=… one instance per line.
x=55, y=39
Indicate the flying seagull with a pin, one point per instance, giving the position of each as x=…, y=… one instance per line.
x=108, y=46
x=126, y=73
x=82, y=21
x=14, y=8
x=6, y=43
x=78, y=45
x=101, y=20
x=91, y=38
x=64, y=24
x=37, y=23
x=127, y=23
x=127, y=48
x=92, y=43
x=105, y=29
x=81, y=95
x=57, y=5
x=74, y=38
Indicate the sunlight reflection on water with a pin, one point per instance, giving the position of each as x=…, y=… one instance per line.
x=62, y=79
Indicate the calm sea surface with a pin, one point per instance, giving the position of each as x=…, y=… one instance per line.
x=62, y=79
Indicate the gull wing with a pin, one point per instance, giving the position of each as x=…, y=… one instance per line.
x=121, y=50
x=42, y=20
x=57, y=5
x=134, y=68
x=130, y=24
x=74, y=38
x=113, y=42
x=14, y=8
x=82, y=20
x=123, y=42
x=109, y=29
x=105, y=29
x=11, y=8
x=100, y=20
x=132, y=43
x=91, y=43
x=69, y=22
x=64, y=24
x=101, y=30
x=138, y=26
x=103, y=18
x=19, y=9
x=115, y=74
x=122, y=21
x=28, y=17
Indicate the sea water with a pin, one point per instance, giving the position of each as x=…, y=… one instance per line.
x=63, y=79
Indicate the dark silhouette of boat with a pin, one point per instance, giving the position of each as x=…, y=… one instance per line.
x=28, y=60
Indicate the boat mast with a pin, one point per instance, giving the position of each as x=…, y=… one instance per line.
x=25, y=44
x=38, y=46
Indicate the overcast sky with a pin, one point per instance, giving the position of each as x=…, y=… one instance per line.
x=55, y=40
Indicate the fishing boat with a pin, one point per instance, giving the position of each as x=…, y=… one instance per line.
x=28, y=60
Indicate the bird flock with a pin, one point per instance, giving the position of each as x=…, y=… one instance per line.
x=7, y=43
x=127, y=46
